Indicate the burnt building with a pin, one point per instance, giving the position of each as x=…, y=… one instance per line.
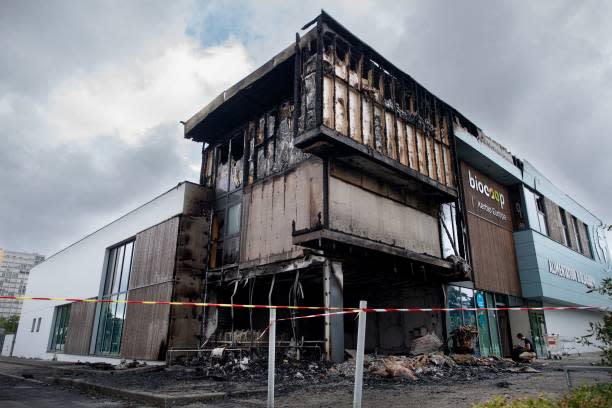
x=328, y=176
x=334, y=179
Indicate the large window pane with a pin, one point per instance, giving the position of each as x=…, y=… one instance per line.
x=483, y=326
x=233, y=220
x=493, y=327
x=112, y=314
x=455, y=317
x=127, y=265
x=118, y=266
x=60, y=328
x=110, y=268
x=467, y=301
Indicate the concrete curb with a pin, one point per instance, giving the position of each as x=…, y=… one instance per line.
x=159, y=400
x=70, y=367
x=17, y=377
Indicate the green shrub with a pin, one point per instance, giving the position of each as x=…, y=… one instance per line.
x=597, y=396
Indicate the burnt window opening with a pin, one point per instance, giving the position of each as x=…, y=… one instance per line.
x=225, y=234
x=387, y=83
x=225, y=237
x=222, y=170
x=341, y=50
x=365, y=71
x=276, y=153
x=354, y=62
x=236, y=163
x=206, y=178
x=397, y=95
x=328, y=49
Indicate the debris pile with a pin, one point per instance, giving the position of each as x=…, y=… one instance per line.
x=433, y=366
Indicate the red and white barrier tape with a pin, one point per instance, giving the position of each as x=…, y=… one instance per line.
x=339, y=309
x=306, y=317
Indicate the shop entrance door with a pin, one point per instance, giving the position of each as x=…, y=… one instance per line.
x=538, y=332
x=504, y=332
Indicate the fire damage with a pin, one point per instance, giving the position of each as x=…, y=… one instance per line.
x=328, y=177
x=334, y=181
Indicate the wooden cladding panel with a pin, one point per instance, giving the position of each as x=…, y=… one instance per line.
x=270, y=207
x=80, y=327
x=493, y=257
x=490, y=226
x=154, y=254
x=145, y=329
x=553, y=219
x=357, y=211
x=365, y=103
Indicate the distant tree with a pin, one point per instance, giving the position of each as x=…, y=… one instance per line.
x=9, y=324
x=601, y=331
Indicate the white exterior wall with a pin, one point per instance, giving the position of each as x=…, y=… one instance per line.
x=569, y=324
x=519, y=323
x=78, y=270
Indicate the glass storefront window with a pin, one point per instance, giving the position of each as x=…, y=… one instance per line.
x=454, y=300
x=492, y=315
x=486, y=321
x=467, y=301
x=483, y=326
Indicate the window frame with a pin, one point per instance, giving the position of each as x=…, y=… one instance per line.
x=541, y=213
x=565, y=226
x=577, y=234
x=226, y=200
x=588, y=241
x=114, y=287
x=59, y=328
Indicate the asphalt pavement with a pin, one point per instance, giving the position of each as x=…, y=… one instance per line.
x=19, y=392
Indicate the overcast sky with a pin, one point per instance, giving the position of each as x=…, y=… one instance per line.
x=91, y=93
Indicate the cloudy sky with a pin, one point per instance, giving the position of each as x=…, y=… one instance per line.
x=91, y=93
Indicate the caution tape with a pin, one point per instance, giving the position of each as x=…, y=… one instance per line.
x=339, y=309
x=306, y=317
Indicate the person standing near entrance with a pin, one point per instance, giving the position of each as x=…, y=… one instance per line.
x=524, y=352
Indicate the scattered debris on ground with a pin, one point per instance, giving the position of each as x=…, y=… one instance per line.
x=432, y=367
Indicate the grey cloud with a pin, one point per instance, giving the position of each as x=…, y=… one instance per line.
x=58, y=193
x=536, y=77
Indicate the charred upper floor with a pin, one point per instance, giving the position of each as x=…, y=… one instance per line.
x=351, y=135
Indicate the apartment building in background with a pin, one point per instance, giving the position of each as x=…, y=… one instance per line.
x=14, y=273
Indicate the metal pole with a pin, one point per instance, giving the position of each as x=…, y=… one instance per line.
x=359, y=356
x=271, y=357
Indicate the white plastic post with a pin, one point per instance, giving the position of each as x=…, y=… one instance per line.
x=271, y=357
x=359, y=356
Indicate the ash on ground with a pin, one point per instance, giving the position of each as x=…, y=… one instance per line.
x=435, y=367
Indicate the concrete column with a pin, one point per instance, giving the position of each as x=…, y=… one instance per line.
x=333, y=295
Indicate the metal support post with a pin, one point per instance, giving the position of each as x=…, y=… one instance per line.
x=359, y=356
x=271, y=357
